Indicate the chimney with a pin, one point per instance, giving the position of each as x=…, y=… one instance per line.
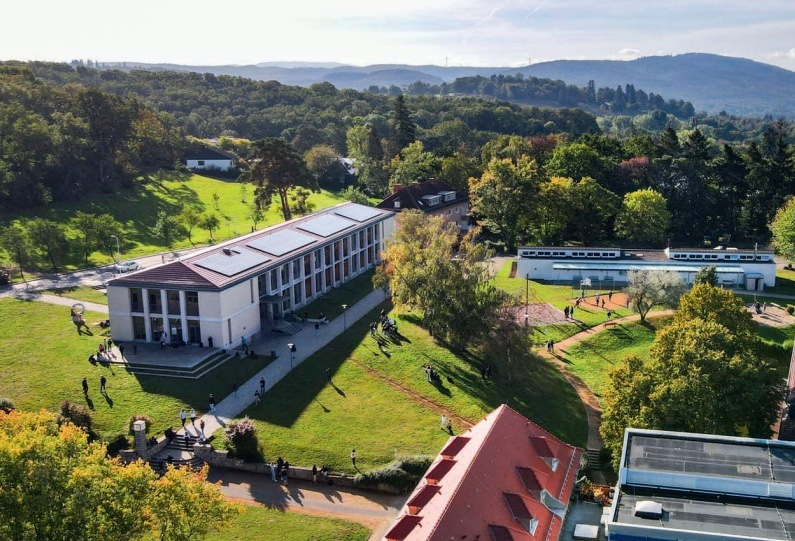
x=396, y=188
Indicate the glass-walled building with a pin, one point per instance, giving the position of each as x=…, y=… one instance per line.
x=225, y=292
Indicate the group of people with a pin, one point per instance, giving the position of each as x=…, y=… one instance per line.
x=387, y=325
x=323, y=472
x=760, y=308
x=431, y=374
x=279, y=471
x=102, y=382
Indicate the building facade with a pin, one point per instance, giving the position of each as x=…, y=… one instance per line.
x=210, y=159
x=698, y=487
x=750, y=269
x=434, y=198
x=228, y=290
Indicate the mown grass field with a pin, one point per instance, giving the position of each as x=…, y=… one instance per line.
x=43, y=360
x=79, y=293
x=558, y=296
x=378, y=403
x=137, y=210
x=257, y=523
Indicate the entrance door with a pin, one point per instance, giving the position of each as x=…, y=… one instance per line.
x=194, y=332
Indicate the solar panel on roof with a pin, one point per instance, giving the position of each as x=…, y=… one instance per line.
x=326, y=225
x=281, y=242
x=360, y=213
x=233, y=262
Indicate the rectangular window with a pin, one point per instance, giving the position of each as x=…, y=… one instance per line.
x=337, y=251
x=363, y=259
x=136, y=300
x=327, y=254
x=361, y=239
x=201, y=162
x=317, y=259
x=285, y=275
x=296, y=268
x=251, y=287
x=154, y=301
x=192, y=303
x=346, y=270
x=319, y=283
x=308, y=287
x=307, y=265
x=298, y=293
x=345, y=247
x=274, y=281
x=354, y=238
x=139, y=328
x=173, y=302
x=337, y=273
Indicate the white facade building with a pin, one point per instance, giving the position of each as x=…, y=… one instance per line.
x=750, y=269
x=226, y=291
x=210, y=159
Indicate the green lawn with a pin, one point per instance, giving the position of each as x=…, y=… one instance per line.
x=348, y=293
x=306, y=420
x=593, y=358
x=43, y=360
x=258, y=523
x=137, y=211
x=558, y=296
x=80, y=293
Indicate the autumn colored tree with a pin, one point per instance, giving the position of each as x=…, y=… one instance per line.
x=56, y=485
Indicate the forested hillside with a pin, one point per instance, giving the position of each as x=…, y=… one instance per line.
x=59, y=142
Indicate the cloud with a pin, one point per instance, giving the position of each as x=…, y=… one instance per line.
x=626, y=54
x=788, y=55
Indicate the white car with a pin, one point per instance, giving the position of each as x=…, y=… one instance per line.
x=127, y=266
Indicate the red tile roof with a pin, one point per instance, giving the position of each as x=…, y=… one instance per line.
x=455, y=445
x=402, y=528
x=486, y=491
x=410, y=196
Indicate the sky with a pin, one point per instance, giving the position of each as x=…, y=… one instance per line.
x=441, y=32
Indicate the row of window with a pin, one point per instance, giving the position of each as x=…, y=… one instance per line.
x=563, y=253
x=725, y=257
x=172, y=301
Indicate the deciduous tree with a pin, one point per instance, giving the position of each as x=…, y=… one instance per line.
x=643, y=218
x=783, y=228
x=190, y=218
x=649, y=288
x=50, y=238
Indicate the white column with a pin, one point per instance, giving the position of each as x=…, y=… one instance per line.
x=147, y=316
x=164, y=307
x=183, y=313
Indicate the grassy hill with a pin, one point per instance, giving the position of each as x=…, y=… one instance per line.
x=137, y=210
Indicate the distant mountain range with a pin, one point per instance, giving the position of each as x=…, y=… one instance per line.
x=711, y=82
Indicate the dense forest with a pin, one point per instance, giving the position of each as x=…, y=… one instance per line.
x=59, y=142
x=66, y=130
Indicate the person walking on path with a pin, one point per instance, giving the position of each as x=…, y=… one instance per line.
x=121, y=350
x=444, y=422
x=261, y=386
x=314, y=473
x=610, y=295
x=85, y=386
x=182, y=416
x=279, y=465
x=201, y=426
x=256, y=397
x=102, y=381
x=193, y=417
x=211, y=401
x=317, y=328
x=285, y=471
x=353, y=457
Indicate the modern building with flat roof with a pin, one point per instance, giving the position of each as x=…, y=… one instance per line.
x=680, y=486
x=504, y=479
x=749, y=269
x=226, y=291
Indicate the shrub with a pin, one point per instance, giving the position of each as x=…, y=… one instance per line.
x=401, y=474
x=139, y=417
x=242, y=441
x=6, y=405
x=78, y=415
x=118, y=443
x=790, y=309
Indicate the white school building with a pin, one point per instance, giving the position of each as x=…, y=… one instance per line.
x=227, y=291
x=604, y=267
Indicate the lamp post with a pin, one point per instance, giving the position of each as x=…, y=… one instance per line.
x=291, y=347
x=526, y=297
x=344, y=316
x=118, y=252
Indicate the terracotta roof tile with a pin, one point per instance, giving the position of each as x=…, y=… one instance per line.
x=455, y=445
x=402, y=528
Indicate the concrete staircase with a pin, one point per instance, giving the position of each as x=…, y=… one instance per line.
x=593, y=459
x=288, y=328
x=206, y=365
x=181, y=454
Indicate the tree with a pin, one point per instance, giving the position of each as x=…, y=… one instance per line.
x=403, y=128
x=210, y=222
x=578, y=160
x=319, y=158
x=300, y=202
x=551, y=211
x=354, y=195
x=783, y=228
x=57, y=485
x=450, y=287
x=275, y=167
x=711, y=303
x=700, y=377
x=256, y=213
x=167, y=227
x=502, y=196
x=86, y=224
x=190, y=218
x=649, y=288
x=457, y=170
x=706, y=275
x=592, y=207
x=413, y=165
x=643, y=218
x=50, y=238
x=16, y=242
x=109, y=234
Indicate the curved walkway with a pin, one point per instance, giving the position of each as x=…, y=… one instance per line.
x=593, y=409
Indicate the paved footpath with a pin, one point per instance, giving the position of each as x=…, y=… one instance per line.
x=62, y=301
x=373, y=509
x=306, y=342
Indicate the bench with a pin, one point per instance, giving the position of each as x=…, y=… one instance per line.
x=611, y=323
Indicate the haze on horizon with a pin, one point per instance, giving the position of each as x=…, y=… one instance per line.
x=459, y=33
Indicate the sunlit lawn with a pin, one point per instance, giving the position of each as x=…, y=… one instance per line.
x=258, y=523
x=43, y=360
x=307, y=421
x=558, y=296
x=137, y=211
x=79, y=293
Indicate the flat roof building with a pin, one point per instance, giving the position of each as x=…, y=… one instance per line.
x=504, y=479
x=680, y=486
x=749, y=269
x=226, y=291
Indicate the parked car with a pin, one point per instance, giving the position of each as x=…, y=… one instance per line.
x=127, y=266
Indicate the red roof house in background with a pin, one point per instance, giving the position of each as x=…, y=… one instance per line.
x=504, y=479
